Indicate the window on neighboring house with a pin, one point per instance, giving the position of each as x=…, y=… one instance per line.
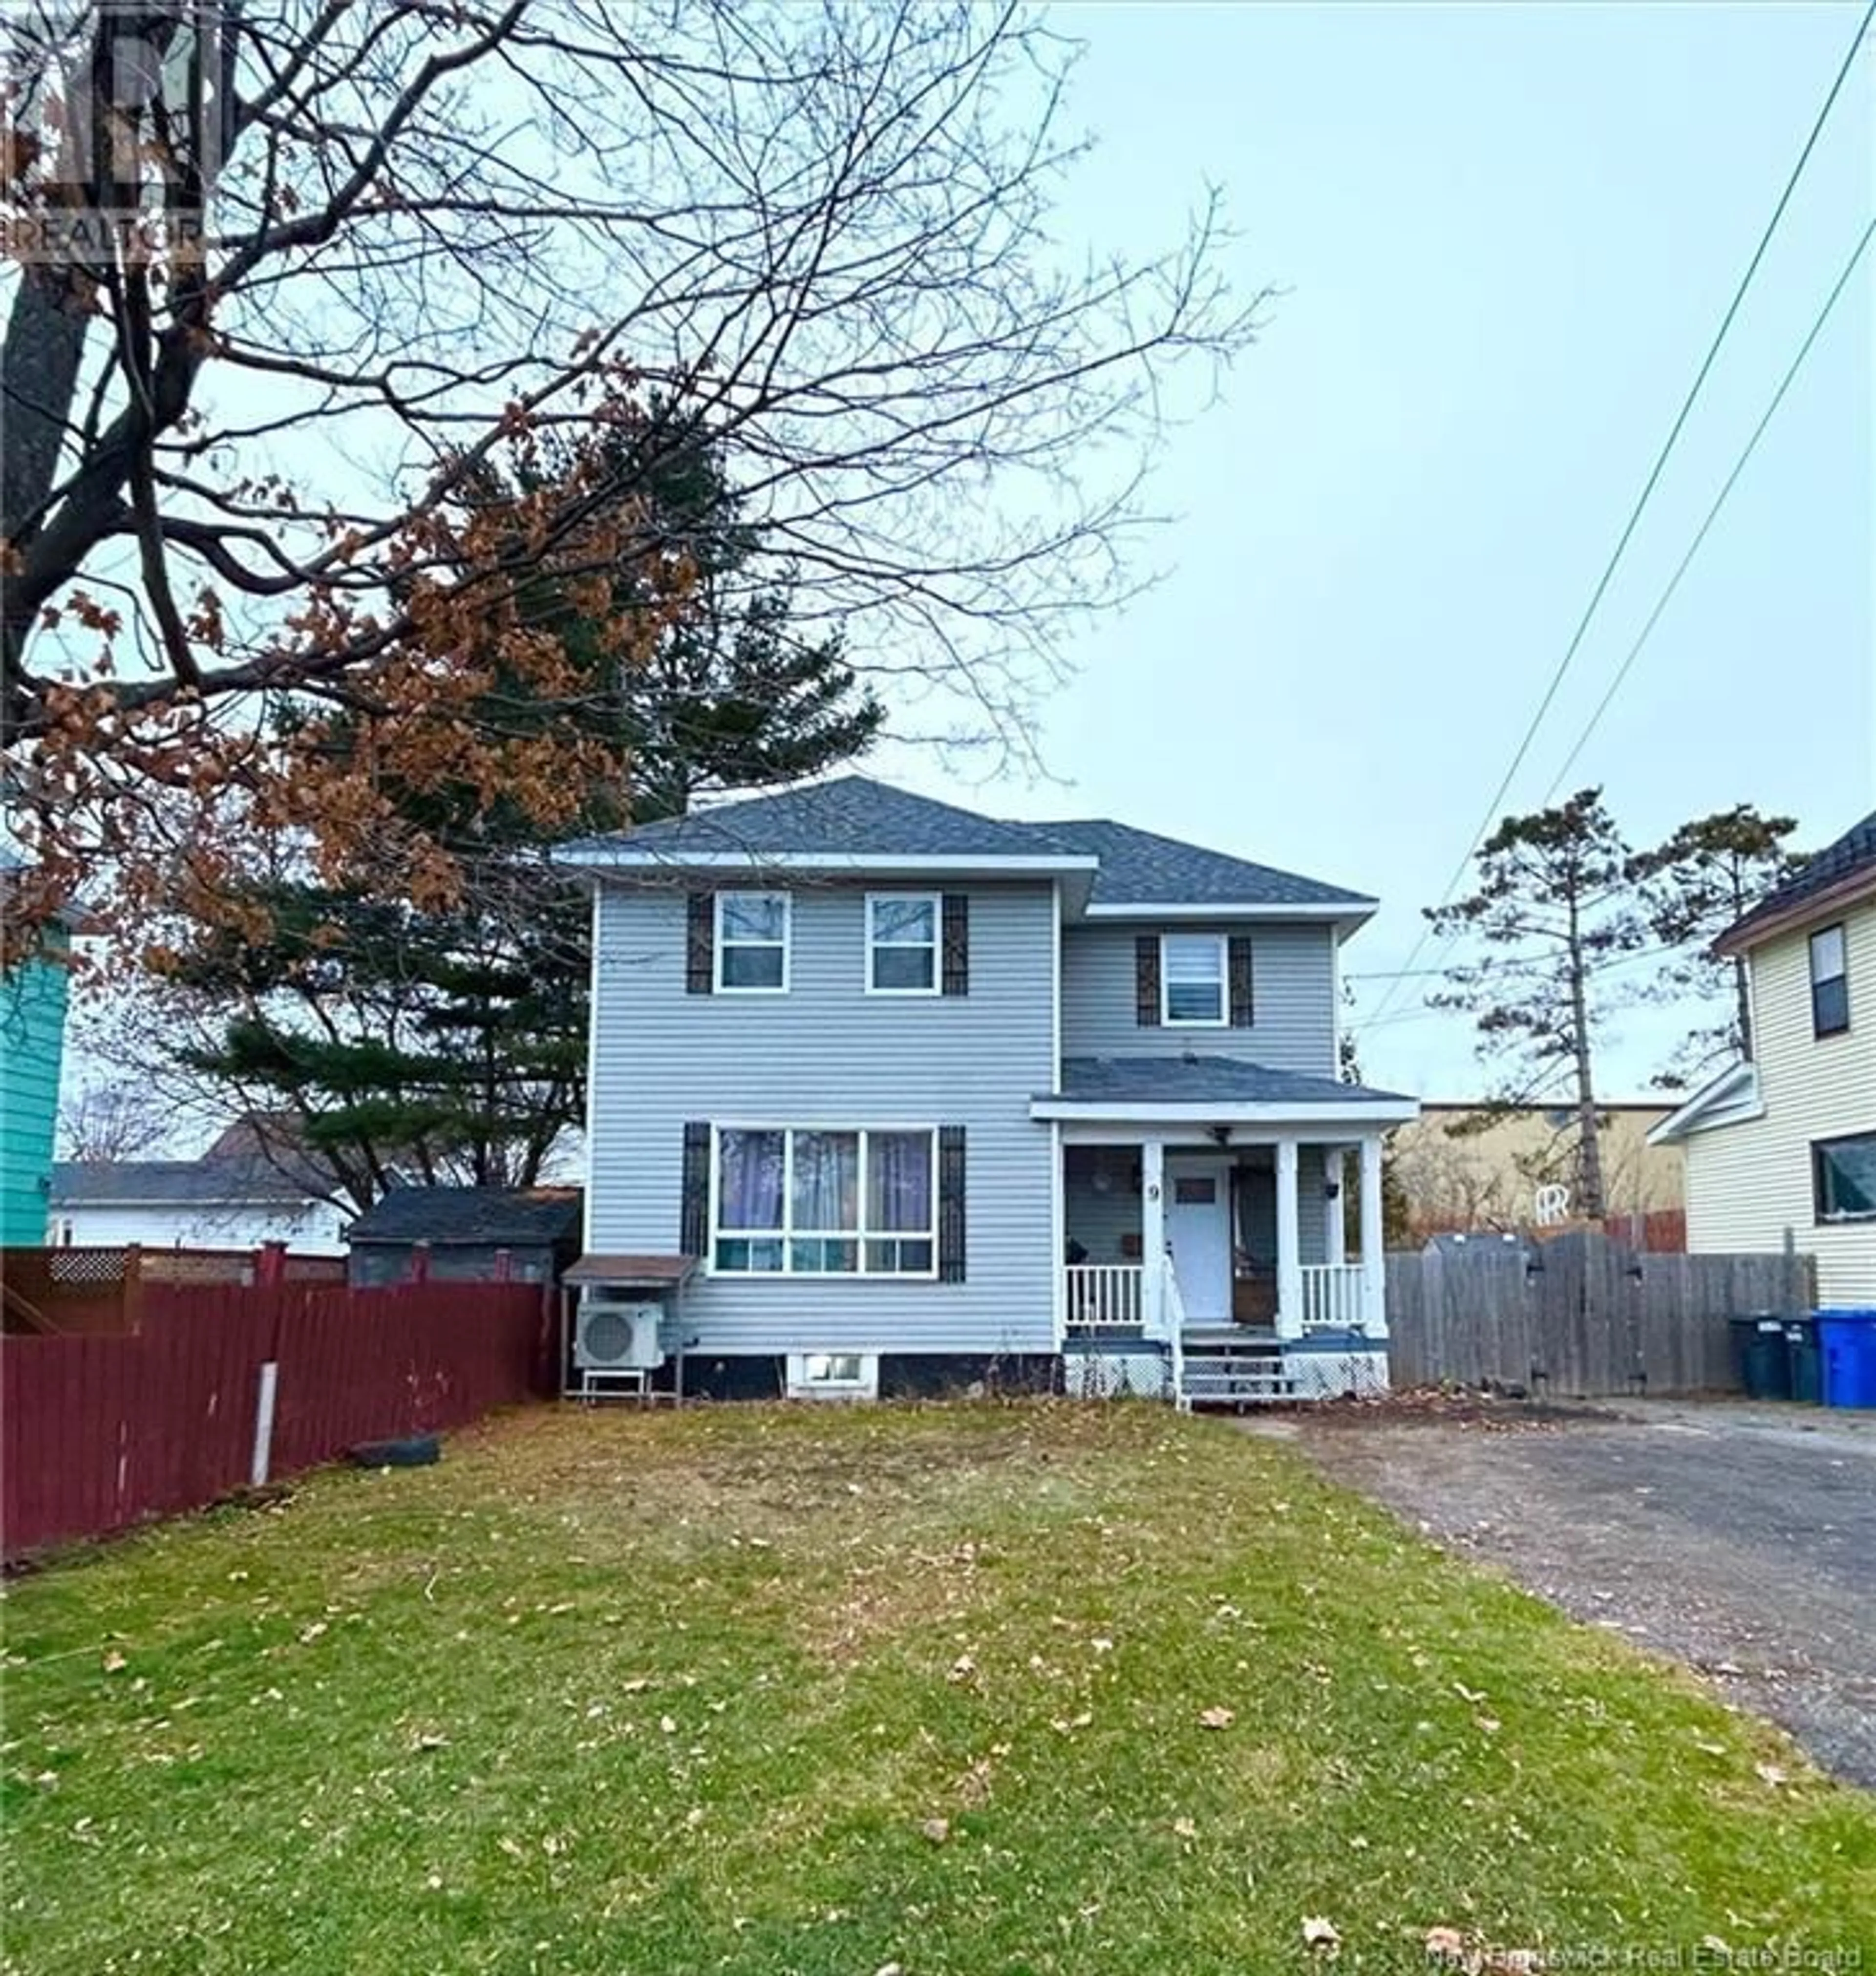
x=832, y=1368
x=796, y=1201
x=901, y=943
x=1192, y=973
x=1843, y=1176
x=1830, y=983
x=751, y=943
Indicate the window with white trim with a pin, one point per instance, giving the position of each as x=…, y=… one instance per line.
x=1192, y=980
x=1843, y=1174
x=1830, y=983
x=902, y=942
x=808, y=1201
x=751, y=943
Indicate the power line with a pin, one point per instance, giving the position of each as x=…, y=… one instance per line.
x=1648, y=487
x=1713, y=513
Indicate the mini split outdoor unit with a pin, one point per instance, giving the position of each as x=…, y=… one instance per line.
x=618, y=1337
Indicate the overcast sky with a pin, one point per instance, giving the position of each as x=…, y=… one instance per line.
x=1507, y=234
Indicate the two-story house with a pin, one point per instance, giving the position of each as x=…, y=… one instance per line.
x=1786, y=1139
x=886, y=1096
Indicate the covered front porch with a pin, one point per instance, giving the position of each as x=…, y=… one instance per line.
x=1212, y=1209
x=1278, y=1236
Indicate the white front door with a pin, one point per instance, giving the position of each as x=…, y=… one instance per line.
x=1198, y=1231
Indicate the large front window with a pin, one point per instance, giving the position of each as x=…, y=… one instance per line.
x=1192, y=973
x=814, y=1202
x=1844, y=1176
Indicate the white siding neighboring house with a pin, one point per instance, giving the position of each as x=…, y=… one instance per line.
x=205, y=1203
x=1788, y=1140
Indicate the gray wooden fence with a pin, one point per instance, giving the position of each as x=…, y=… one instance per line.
x=1579, y=1315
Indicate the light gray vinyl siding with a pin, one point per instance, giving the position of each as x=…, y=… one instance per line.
x=827, y=1053
x=1293, y=996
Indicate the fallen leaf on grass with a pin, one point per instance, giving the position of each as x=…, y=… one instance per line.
x=1217, y=1718
x=1445, y=1944
x=1773, y=1774
x=936, y=1829
x=1186, y=1828
x=114, y=1662
x=1320, y=1932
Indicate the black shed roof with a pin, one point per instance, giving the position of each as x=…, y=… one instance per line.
x=507, y=1217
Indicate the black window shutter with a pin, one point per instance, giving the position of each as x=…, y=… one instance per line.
x=1146, y=981
x=957, y=942
x=693, y=1214
x=951, y=1232
x=700, y=964
x=1238, y=954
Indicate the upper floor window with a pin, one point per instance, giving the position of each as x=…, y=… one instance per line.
x=1192, y=974
x=751, y=943
x=903, y=943
x=1830, y=983
x=1843, y=1174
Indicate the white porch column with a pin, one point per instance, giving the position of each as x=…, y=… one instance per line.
x=1334, y=1205
x=1153, y=1237
x=1289, y=1245
x=1373, y=1257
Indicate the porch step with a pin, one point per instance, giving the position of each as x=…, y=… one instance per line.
x=1229, y=1368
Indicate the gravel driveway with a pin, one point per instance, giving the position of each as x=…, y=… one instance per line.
x=1740, y=1539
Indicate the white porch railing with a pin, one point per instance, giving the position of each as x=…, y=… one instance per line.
x=1105, y=1298
x=1334, y=1296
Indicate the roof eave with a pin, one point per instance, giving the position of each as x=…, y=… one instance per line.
x=1346, y=913
x=1379, y=1111
x=1766, y=922
x=1731, y=1098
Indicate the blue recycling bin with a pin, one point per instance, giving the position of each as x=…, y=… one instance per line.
x=1847, y=1343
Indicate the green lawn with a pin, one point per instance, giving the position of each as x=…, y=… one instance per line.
x=770, y=1690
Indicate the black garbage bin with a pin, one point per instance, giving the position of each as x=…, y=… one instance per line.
x=1806, y=1359
x=1762, y=1357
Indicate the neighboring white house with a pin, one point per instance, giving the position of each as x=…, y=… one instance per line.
x=886, y=1094
x=206, y=1203
x=1788, y=1139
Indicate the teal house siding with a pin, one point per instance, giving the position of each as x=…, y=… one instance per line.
x=32, y=1044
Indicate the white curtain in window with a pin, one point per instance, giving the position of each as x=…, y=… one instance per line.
x=827, y=1176
x=898, y=1182
x=749, y=1185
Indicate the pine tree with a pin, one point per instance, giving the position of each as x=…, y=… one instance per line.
x=1555, y=906
x=447, y=1041
x=1711, y=873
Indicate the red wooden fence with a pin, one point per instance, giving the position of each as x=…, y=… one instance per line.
x=101, y=1432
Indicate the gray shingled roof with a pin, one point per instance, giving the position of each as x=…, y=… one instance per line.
x=1139, y=868
x=853, y=816
x=515, y=1217
x=1844, y=859
x=1202, y=1080
x=172, y=1183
